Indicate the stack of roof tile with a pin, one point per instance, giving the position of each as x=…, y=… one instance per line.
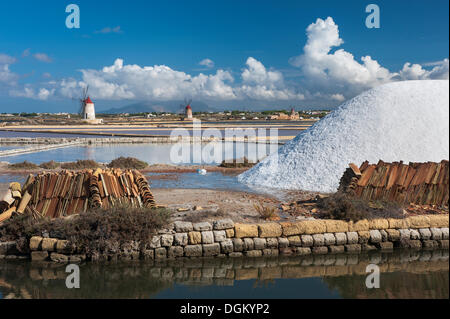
x=418, y=183
x=68, y=192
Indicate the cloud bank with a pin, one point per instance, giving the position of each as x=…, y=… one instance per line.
x=326, y=72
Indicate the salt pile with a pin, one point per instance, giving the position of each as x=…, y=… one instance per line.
x=406, y=121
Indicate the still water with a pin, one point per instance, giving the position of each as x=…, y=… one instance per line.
x=152, y=153
x=404, y=274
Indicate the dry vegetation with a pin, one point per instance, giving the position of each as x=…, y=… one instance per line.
x=81, y=164
x=237, y=163
x=127, y=163
x=23, y=165
x=340, y=206
x=98, y=230
x=266, y=212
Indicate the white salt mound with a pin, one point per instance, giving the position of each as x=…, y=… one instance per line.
x=406, y=121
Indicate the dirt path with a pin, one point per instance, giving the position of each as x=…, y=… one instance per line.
x=214, y=204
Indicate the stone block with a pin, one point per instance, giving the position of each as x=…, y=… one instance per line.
x=195, y=237
x=430, y=244
x=415, y=244
x=294, y=241
x=180, y=239
x=438, y=221
x=425, y=233
x=269, y=230
x=49, y=244
x=260, y=243
x=235, y=254
x=445, y=235
x=436, y=233
x=238, y=244
x=149, y=254
x=307, y=241
x=318, y=240
x=336, y=249
x=183, y=227
x=155, y=242
x=384, y=235
x=414, y=234
x=443, y=244
x=226, y=246
x=320, y=250
x=360, y=225
x=354, y=248
x=405, y=234
x=272, y=242
x=39, y=255
x=219, y=235
x=193, y=251
x=160, y=253
x=203, y=226
x=375, y=236
x=229, y=232
x=314, y=227
x=418, y=222
x=248, y=244
x=364, y=236
x=341, y=238
x=329, y=239
x=335, y=226
x=223, y=224
x=35, y=243
x=245, y=230
x=398, y=223
x=175, y=251
x=352, y=238
x=166, y=240
x=292, y=228
x=59, y=258
x=283, y=242
x=378, y=224
x=393, y=234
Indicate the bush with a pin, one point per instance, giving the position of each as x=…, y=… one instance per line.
x=237, y=163
x=127, y=163
x=23, y=165
x=49, y=165
x=98, y=230
x=266, y=212
x=80, y=164
x=341, y=206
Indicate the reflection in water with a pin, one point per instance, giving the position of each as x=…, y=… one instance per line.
x=404, y=274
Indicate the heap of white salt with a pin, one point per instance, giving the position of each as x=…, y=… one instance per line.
x=406, y=121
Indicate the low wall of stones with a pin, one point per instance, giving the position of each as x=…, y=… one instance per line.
x=224, y=238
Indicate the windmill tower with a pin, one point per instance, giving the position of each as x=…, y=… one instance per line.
x=87, y=109
x=187, y=109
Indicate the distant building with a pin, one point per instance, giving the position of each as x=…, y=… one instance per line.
x=294, y=115
x=88, y=113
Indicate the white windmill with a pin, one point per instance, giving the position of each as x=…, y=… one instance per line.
x=87, y=109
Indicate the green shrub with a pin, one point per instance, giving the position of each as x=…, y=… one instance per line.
x=49, y=165
x=80, y=164
x=23, y=165
x=127, y=163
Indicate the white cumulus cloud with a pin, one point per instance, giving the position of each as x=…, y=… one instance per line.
x=207, y=63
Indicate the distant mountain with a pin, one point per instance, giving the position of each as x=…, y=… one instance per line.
x=160, y=106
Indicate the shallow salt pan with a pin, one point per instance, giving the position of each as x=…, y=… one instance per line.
x=406, y=121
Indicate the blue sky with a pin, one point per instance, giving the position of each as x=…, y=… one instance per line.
x=38, y=52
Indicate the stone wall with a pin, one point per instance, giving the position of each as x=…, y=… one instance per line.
x=224, y=238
